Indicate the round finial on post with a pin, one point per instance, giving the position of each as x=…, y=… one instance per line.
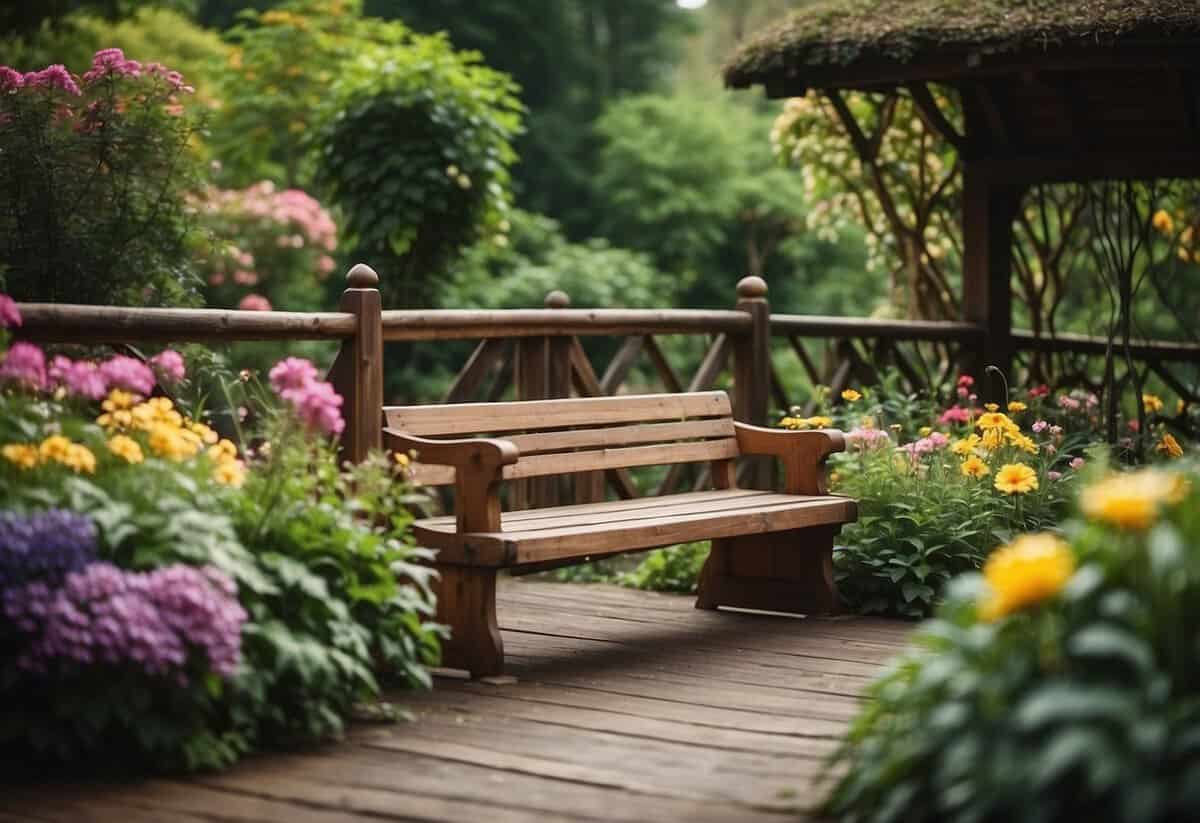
x=362, y=276
x=557, y=299
x=751, y=288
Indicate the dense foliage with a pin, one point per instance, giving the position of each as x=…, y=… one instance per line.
x=186, y=598
x=100, y=218
x=1059, y=685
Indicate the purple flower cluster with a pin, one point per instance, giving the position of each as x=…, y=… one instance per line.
x=315, y=402
x=168, y=365
x=44, y=546
x=128, y=373
x=25, y=365
x=154, y=620
x=111, y=63
x=51, y=77
x=81, y=378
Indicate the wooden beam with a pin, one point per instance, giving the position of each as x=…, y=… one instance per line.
x=1081, y=166
x=928, y=108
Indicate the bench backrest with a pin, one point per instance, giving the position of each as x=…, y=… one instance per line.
x=583, y=434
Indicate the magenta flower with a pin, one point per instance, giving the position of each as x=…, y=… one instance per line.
x=168, y=365
x=10, y=79
x=955, y=414
x=128, y=373
x=10, y=315
x=318, y=406
x=254, y=302
x=53, y=77
x=80, y=378
x=25, y=365
x=292, y=373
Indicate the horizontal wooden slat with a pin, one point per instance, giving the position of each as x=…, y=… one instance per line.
x=537, y=545
x=558, y=441
x=535, y=415
x=471, y=324
x=68, y=323
x=542, y=465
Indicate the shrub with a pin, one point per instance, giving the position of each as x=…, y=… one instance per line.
x=100, y=217
x=301, y=581
x=267, y=242
x=1062, y=684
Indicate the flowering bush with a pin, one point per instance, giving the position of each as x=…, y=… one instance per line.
x=1061, y=684
x=264, y=242
x=100, y=218
x=173, y=598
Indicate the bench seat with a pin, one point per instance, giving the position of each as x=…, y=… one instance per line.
x=771, y=550
x=597, y=529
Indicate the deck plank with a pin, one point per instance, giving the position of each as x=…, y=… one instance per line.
x=627, y=706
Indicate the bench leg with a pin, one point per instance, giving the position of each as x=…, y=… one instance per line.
x=788, y=571
x=466, y=602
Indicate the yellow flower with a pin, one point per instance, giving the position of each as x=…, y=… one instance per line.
x=992, y=439
x=851, y=396
x=168, y=441
x=23, y=454
x=794, y=423
x=54, y=448
x=820, y=422
x=974, y=467
x=230, y=473
x=402, y=460
x=965, y=446
x=222, y=451
x=1132, y=501
x=1016, y=478
x=118, y=419
x=1016, y=407
x=992, y=407
x=126, y=448
x=205, y=433
x=118, y=401
x=996, y=420
x=1162, y=222
x=925, y=431
x=1031, y=569
x=1022, y=442
x=868, y=422
x=1169, y=446
x=1152, y=402
x=79, y=459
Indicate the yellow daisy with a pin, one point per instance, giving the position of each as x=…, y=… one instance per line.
x=1016, y=478
x=974, y=467
x=1031, y=569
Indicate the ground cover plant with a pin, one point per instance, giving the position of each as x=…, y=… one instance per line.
x=171, y=598
x=1059, y=684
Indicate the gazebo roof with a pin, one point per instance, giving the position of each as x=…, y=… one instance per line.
x=865, y=43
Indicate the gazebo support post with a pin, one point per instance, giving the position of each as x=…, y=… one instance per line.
x=988, y=212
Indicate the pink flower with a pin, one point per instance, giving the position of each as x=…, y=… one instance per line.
x=972, y=397
x=1134, y=426
x=325, y=265
x=25, y=365
x=1069, y=403
x=111, y=63
x=1092, y=401
x=1053, y=475
x=168, y=365
x=128, y=373
x=1077, y=463
x=966, y=380
x=938, y=439
x=292, y=373
x=318, y=406
x=866, y=438
x=81, y=378
x=10, y=315
x=963, y=391
x=245, y=278
x=1040, y=426
x=254, y=302
x=955, y=414
x=10, y=79
x=1039, y=391
x=53, y=77
x=1056, y=430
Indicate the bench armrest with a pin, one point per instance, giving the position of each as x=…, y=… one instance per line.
x=803, y=453
x=478, y=469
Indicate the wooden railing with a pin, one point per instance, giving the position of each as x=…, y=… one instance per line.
x=557, y=351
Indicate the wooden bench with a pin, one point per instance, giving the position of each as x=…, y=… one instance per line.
x=771, y=550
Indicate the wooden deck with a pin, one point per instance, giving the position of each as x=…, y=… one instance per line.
x=628, y=706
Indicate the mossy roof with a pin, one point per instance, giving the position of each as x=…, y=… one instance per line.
x=824, y=37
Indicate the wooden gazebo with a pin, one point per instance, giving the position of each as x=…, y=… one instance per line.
x=1051, y=91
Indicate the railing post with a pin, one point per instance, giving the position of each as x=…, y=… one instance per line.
x=752, y=368
x=357, y=372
